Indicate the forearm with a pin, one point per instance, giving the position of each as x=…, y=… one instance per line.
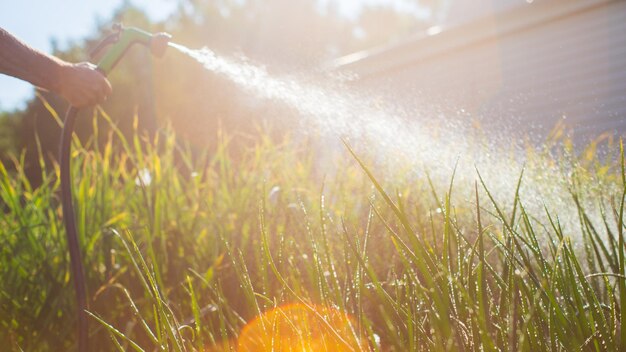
x=19, y=60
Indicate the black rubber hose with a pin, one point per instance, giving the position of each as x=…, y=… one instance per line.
x=76, y=263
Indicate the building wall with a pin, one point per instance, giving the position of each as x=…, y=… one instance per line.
x=529, y=67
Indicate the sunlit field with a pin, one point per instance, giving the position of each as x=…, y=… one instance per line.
x=251, y=246
x=312, y=175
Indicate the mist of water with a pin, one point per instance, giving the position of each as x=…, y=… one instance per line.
x=394, y=135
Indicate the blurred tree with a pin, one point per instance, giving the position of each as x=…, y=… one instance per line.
x=397, y=25
x=9, y=141
x=132, y=95
x=286, y=36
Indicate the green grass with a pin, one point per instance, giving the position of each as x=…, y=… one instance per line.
x=182, y=261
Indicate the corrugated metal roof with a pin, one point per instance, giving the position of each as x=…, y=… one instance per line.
x=534, y=63
x=574, y=66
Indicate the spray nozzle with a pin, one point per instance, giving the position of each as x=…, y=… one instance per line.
x=123, y=38
x=159, y=43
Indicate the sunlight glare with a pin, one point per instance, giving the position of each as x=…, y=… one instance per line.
x=300, y=327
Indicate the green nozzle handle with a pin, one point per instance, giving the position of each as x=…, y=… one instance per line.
x=126, y=37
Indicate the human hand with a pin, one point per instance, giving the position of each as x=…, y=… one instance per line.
x=82, y=85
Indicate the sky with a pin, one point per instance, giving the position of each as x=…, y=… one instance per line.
x=37, y=22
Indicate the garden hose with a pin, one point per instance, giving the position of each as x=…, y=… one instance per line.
x=76, y=263
x=120, y=41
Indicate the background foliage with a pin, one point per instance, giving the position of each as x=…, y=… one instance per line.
x=287, y=36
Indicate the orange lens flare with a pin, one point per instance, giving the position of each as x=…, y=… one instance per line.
x=300, y=327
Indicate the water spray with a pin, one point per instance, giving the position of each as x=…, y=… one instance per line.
x=120, y=41
x=336, y=112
